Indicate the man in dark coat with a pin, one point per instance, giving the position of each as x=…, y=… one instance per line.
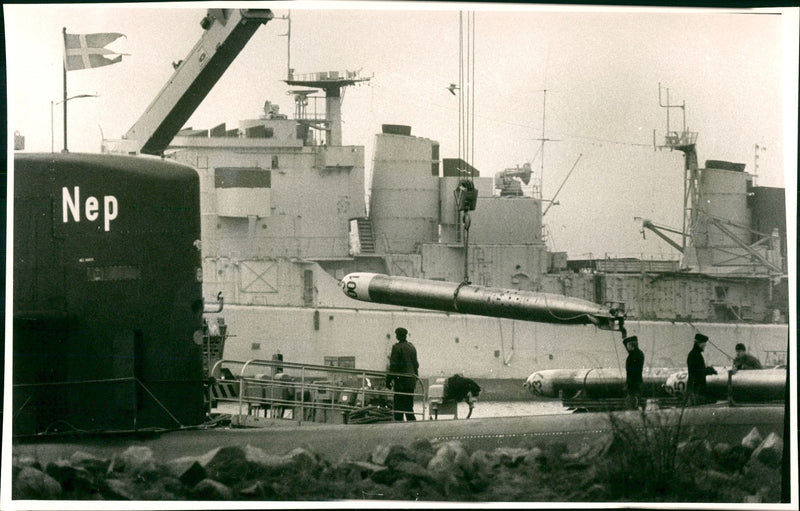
x=634, y=365
x=403, y=360
x=696, y=385
x=744, y=360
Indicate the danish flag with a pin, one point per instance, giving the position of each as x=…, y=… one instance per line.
x=84, y=51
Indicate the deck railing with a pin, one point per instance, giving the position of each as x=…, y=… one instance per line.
x=277, y=389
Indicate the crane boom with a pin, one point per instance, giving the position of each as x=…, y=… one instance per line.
x=226, y=32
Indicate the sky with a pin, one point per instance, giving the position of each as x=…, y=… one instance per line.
x=602, y=68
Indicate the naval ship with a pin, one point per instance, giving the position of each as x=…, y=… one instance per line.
x=286, y=217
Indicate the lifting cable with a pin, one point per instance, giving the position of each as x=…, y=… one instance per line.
x=465, y=194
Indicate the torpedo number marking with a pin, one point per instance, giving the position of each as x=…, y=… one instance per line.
x=351, y=289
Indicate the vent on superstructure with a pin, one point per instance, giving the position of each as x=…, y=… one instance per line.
x=396, y=129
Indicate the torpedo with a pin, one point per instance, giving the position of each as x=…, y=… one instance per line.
x=466, y=298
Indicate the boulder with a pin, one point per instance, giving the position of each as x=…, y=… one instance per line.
x=596, y=493
x=509, y=456
x=296, y=459
x=118, y=489
x=300, y=458
x=137, y=460
x=770, y=451
x=731, y=459
x=261, y=457
x=412, y=471
x=192, y=475
x=422, y=451
x=482, y=463
x=229, y=465
x=363, y=469
x=26, y=461
x=256, y=491
x=716, y=478
x=165, y=488
x=752, y=440
x=31, y=483
x=721, y=450
x=90, y=462
x=208, y=489
x=533, y=456
x=71, y=478
x=450, y=462
x=391, y=454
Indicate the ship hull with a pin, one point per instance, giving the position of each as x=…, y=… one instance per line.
x=577, y=432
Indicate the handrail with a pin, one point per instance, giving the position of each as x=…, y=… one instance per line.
x=307, y=384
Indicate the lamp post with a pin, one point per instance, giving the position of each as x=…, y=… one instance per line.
x=53, y=104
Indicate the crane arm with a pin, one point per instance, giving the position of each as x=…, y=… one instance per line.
x=226, y=32
x=647, y=224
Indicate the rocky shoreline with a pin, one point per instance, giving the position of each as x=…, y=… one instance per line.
x=749, y=472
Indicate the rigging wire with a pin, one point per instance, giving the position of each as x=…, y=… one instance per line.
x=465, y=193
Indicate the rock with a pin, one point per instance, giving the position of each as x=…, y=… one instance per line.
x=257, y=491
x=261, y=457
x=71, y=478
x=166, y=488
x=770, y=451
x=732, y=459
x=386, y=476
x=229, y=465
x=301, y=459
x=412, y=471
x=26, y=461
x=590, y=450
x=296, y=459
x=90, y=462
x=193, y=475
x=697, y=451
x=596, y=493
x=508, y=456
x=550, y=459
x=752, y=440
x=450, y=462
x=482, y=463
x=33, y=484
x=138, y=460
x=116, y=489
x=721, y=450
x=422, y=451
x=390, y=455
x=208, y=489
x=716, y=478
x=533, y=456
x=364, y=469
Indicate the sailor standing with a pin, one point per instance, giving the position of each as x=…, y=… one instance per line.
x=696, y=385
x=634, y=365
x=403, y=360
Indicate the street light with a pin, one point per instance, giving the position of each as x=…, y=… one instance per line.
x=54, y=103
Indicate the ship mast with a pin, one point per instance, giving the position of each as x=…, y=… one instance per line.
x=288, y=35
x=685, y=141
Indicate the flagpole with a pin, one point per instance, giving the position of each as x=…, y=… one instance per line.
x=64, y=31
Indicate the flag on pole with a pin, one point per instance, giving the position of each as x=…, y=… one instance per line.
x=84, y=51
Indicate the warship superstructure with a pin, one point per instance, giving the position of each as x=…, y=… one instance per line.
x=285, y=217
